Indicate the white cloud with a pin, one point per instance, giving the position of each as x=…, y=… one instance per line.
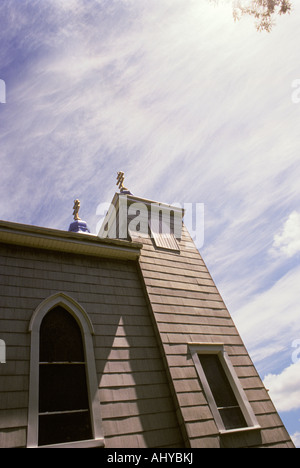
x=284, y=389
x=287, y=242
x=296, y=439
x=269, y=322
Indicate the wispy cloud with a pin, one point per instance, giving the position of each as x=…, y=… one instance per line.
x=269, y=323
x=166, y=89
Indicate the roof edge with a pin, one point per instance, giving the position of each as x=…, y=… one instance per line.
x=65, y=241
x=147, y=202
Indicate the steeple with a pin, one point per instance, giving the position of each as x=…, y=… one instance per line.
x=78, y=225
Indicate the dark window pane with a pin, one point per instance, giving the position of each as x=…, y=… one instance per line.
x=59, y=428
x=217, y=380
x=62, y=387
x=60, y=337
x=223, y=394
x=232, y=418
x=63, y=396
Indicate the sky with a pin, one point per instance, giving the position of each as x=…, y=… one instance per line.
x=194, y=107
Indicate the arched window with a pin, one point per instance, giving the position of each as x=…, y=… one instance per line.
x=63, y=404
x=64, y=414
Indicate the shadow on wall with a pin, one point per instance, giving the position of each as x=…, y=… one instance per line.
x=137, y=407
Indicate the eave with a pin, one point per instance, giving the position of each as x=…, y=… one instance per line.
x=69, y=242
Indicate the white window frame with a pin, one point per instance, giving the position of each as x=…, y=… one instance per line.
x=218, y=349
x=86, y=326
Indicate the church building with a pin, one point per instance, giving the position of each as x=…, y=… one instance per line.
x=122, y=340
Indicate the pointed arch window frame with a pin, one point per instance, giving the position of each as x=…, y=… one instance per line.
x=87, y=330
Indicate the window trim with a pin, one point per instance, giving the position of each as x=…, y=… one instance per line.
x=87, y=330
x=248, y=413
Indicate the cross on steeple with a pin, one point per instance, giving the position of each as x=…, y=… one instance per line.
x=120, y=182
x=78, y=224
x=76, y=209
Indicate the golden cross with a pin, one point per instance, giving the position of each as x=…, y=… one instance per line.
x=120, y=181
x=76, y=209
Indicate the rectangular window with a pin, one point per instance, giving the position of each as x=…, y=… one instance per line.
x=162, y=233
x=223, y=391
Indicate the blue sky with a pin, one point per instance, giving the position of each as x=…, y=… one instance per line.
x=193, y=107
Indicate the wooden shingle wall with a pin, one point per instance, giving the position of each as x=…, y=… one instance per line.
x=136, y=404
x=188, y=308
